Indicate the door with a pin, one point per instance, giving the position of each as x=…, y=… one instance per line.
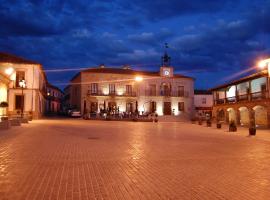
x=129, y=107
x=167, y=108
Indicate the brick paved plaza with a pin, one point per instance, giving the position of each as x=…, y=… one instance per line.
x=77, y=159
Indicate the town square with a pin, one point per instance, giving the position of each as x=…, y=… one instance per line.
x=75, y=159
x=134, y=99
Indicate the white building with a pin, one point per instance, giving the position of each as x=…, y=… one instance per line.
x=54, y=99
x=30, y=100
x=4, y=81
x=203, y=102
x=126, y=90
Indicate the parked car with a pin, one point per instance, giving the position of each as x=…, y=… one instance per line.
x=75, y=113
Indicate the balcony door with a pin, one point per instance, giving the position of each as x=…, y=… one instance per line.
x=165, y=89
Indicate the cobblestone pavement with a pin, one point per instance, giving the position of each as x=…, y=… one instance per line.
x=77, y=159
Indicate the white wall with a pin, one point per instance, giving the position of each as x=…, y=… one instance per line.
x=198, y=99
x=35, y=82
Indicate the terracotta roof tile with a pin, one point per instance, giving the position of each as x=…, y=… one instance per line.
x=129, y=71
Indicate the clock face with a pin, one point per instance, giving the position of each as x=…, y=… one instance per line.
x=166, y=72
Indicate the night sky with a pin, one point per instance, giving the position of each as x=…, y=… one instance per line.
x=208, y=39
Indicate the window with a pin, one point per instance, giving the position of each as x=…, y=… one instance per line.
x=19, y=102
x=129, y=89
x=152, y=90
x=181, y=106
x=94, y=88
x=203, y=100
x=20, y=75
x=180, y=91
x=111, y=88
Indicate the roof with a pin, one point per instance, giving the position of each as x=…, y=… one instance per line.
x=54, y=87
x=241, y=80
x=8, y=58
x=126, y=71
x=203, y=92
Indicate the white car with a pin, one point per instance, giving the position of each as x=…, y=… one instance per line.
x=75, y=114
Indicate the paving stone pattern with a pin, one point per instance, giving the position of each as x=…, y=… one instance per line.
x=77, y=159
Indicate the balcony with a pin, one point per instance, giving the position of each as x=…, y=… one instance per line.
x=167, y=93
x=243, y=98
x=112, y=94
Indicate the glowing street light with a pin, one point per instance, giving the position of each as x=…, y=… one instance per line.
x=265, y=64
x=138, y=78
x=9, y=71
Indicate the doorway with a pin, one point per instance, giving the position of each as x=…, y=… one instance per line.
x=167, y=108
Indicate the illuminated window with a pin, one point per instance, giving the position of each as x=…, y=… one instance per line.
x=129, y=89
x=20, y=75
x=94, y=88
x=111, y=88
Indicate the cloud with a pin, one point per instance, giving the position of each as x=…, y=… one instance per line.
x=202, y=35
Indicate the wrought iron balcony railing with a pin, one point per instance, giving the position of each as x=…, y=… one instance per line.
x=101, y=93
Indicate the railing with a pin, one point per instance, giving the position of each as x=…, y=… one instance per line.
x=101, y=93
x=167, y=93
x=245, y=97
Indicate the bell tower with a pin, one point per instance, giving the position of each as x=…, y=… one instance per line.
x=166, y=69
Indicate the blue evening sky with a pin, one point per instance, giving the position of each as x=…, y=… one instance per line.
x=208, y=39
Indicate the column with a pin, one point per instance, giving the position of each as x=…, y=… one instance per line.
x=268, y=117
x=238, y=117
x=251, y=116
x=225, y=101
x=249, y=91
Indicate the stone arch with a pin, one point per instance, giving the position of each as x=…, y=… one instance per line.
x=231, y=114
x=260, y=115
x=244, y=116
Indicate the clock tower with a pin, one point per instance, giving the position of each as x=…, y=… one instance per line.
x=166, y=70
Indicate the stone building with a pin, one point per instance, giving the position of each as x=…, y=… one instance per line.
x=54, y=99
x=162, y=92
x=32, y=98
x=4, y=81
x=244, y=99
x=203, y=102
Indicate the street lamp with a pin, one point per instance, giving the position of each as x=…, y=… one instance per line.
x=22, y=85
x=265, y=64
x=138, y=79
x=9, y=71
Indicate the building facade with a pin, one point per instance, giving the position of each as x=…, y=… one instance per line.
x=54, y=99
x=4, y=81
x=29, y=98
x=203, y=102
x=244, y=99
x=127, y=90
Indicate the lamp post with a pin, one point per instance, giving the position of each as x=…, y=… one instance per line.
x=265, y=64
x=138, y=79
x=22, y=85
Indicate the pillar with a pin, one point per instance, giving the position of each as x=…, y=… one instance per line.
x=268, y=117
x=237, y=117
x=251, y=116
